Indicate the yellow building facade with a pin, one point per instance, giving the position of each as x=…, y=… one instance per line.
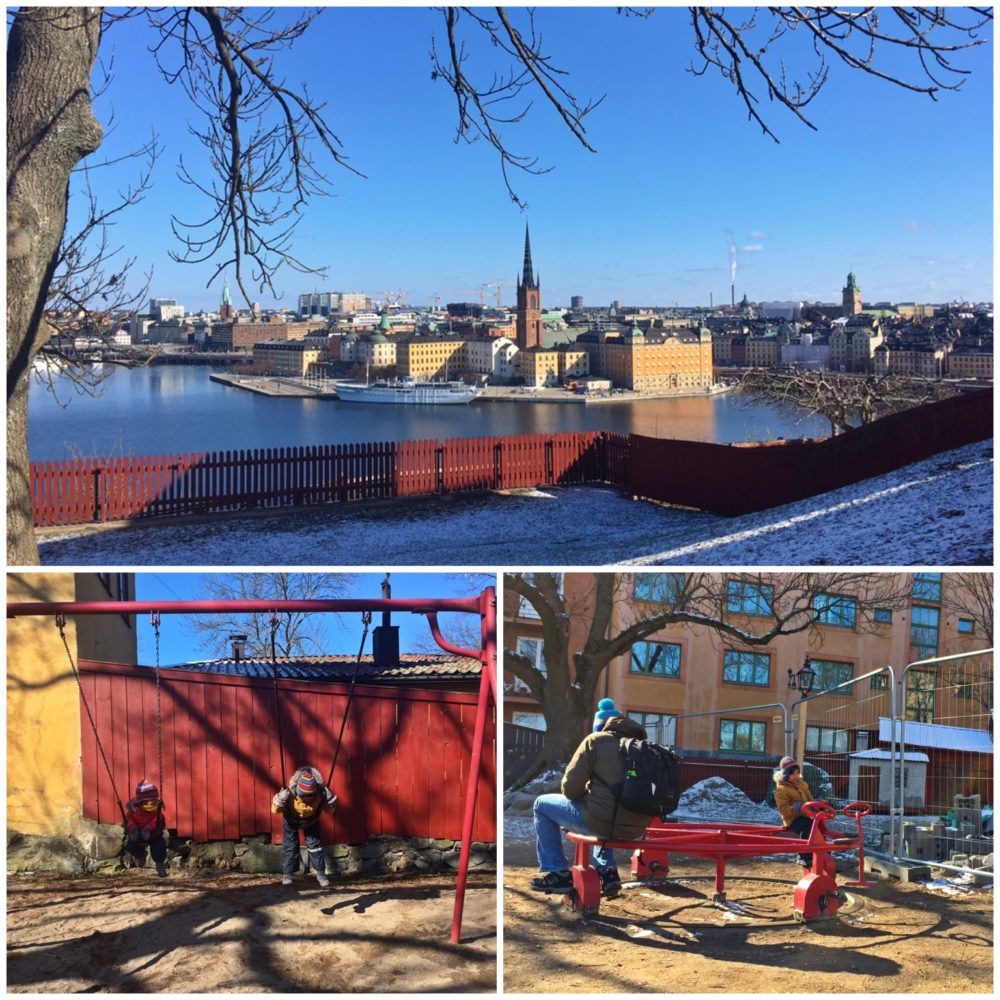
x=426, y=359
x=674, y=363
x=44, y=713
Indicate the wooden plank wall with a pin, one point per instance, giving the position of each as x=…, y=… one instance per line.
x=402, y=767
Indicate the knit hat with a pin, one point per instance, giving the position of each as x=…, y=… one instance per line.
x=306, y=785
x=606, y=709
x=786, y=766
x=146, y=790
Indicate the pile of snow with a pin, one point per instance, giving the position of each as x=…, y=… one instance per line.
x=716, y=798
x=946, y=503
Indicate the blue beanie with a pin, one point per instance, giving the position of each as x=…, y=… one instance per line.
x=606, y=709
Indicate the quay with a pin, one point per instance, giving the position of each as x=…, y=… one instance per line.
x=290, y=386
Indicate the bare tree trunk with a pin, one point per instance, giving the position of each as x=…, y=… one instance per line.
x=50, y=128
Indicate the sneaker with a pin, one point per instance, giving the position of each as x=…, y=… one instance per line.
x=286, y=879
x=161, y=870
x=553, y=882
x=611, y=881
x=322, y=879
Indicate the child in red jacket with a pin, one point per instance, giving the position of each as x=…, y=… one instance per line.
x=145, y=823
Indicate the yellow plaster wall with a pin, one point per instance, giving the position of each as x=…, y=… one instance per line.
x=43, y=704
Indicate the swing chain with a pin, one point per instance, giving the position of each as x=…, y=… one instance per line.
x=366, y=620
x=61, y=625
x=154, y=620
x=275, y=621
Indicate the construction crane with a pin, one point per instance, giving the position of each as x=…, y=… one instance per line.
x=400, y=295
x=499, y=286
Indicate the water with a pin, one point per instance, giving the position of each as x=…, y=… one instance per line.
x=176, y=409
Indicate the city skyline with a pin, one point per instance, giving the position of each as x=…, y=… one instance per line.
x=682, y=189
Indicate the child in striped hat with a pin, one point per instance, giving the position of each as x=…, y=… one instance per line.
x=145, y=824
x=300, y=803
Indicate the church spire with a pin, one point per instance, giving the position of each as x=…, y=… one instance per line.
x=528, y=276
x=226, y=299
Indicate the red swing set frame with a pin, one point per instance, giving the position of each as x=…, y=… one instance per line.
x=485, y=606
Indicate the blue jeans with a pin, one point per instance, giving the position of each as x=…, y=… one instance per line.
x=290, y=858
x=553, y=814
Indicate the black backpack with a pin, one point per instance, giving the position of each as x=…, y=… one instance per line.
x=652, y=783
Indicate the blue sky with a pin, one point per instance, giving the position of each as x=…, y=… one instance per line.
x=892, y=184
x=343, y=632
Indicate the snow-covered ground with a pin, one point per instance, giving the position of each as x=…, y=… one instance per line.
x=935, y=512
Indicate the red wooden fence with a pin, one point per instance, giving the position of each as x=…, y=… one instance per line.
x=727, y=479
x=402, y=767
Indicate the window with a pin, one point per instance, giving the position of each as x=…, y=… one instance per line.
x=861, y=740
x=737, y=735
x=924, y=632
x=826, y=739
x=880, y=682
x=659, y=728
x=883, y=616
x=660, y=658
x=661, y=588
x=524, y=608
x=920, y=695
x=829, y=674
x=966, y=626
x=927, y=586
x=746, y=668
x=746, y=598
x=835, y=609
x=532, y=649
x=530, y=720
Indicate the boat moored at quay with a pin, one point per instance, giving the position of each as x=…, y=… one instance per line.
x=406, y=390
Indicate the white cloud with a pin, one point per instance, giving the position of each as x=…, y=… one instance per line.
x=758, y=234
x=912, y=226
x=752, y=248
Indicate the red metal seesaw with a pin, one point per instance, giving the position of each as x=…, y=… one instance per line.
x=816, y=894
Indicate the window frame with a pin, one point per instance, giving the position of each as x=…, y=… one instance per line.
x=632, y=671
x=917, y=645
x=817, y=745
x=751, y=723
x=820, y=612
x=753, y=599
x=932, y=688
x=675, y=580
x=746, y=653
x=667, y=720
x=841, y=692
x=930, y=582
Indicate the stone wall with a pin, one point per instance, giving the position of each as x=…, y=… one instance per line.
x=97, y=847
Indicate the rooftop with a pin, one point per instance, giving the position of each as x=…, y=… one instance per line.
x=412, y=667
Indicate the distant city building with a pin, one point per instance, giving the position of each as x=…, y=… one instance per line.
x=807, y=353
x=679, y=361
x=226, y=308
x=576, y=303
x=285, y=357
x=331, y=303
x=495, y=357
x=852, y=348
x=430, y=358
x=244, y=336
x=975, y=363
x=529, y=312
x=162, y=310
x=791, y=311
x=852, y=296
x=926, y=361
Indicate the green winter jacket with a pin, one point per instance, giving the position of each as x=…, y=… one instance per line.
x=595, y=776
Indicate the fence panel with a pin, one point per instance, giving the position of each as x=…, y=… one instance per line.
x=220, y=731
x=947, y=708
x=842, y=731
x=520, y=744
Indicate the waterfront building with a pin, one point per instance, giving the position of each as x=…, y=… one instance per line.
x=243, y=336
x=976, y=362
x=495, y=357
x=431, y=358
x=378, y=349
x=552, y=366
x=763, y=352
x=852, y=345
x=529, y=311
x=924, y=360
x=851, y=296
x=284, y=357
x=678, y=361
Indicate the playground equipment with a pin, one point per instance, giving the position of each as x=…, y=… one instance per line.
x=485, y=606
x=817, y=894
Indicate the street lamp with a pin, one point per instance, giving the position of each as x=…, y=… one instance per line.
x=802, y=681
